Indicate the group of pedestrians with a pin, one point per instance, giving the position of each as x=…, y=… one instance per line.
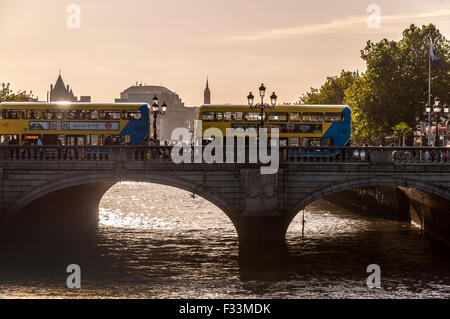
x=159, y=153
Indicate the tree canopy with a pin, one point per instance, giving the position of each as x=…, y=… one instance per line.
x=394, y=87
x=332, y=91
x=7, y=95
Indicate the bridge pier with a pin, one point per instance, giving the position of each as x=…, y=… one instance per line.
x=262, y=239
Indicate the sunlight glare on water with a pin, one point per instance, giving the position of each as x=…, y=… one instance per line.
x=155, y=241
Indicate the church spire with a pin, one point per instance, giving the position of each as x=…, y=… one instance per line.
x=207, y=93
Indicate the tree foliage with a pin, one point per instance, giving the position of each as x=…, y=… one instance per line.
x=394, y=87
x=332, y=91
x=7, y=95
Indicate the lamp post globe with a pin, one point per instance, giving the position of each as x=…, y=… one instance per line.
x=251, y=99
x=273, y=99
x=262, y=91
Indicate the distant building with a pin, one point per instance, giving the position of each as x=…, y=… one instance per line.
x=207, y=94
x=177, y=114
x=60, y=93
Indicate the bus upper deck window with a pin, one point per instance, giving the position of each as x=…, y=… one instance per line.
x=334, y=117
x=11, y=114
x=92, y=115
x=115, y=115
x=110, y=115
x=294, y=117
x=131, y=115
x=233, y=116
x=212, y=116
x=236, y=116
x=53, y=115
x=32, y=114
x=76, y=115
x=277, y=117
x=253, y=116
x=312, y=117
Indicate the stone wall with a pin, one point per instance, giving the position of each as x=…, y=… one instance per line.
x=385, y=202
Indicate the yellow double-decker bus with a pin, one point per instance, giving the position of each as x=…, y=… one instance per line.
x=73, y=123
x=299, y=125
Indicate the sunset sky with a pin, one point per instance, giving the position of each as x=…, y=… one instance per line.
x=290, y=45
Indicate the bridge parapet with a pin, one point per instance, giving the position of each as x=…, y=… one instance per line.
x=122, y=153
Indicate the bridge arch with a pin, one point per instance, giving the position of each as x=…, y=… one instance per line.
x=109, y=179
x=367, y=182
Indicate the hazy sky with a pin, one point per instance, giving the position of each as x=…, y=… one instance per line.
x=290, y=45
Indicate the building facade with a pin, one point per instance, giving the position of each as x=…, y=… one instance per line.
x=177, y=115
x=62, y=93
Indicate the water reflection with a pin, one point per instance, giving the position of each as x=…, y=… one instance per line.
x=158, y=242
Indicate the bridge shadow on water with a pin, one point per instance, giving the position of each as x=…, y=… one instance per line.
x=172, y=245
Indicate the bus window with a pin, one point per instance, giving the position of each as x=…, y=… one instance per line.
x=305, y=141
x=52, y=139
x=92, y=139
x=312, y=117
x=131, y=115
x=32, y=114
x=9, y=139
x=294, y=117
x=294, y=141
x=233, y=116
x=11, y=114
x=76, y=140
x=328, y=141
x=334, y=117
x=315, y=141
x=76, y=115
x=30, y=139
x=212, y=116
x=110, y=115
x=126, y=139
x=92, y=114
x=110, y=139
x=254, y=116
x=278, y=117
x=53, y=115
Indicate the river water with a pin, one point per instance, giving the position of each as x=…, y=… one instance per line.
x=155, y=241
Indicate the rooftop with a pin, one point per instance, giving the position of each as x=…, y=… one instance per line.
x=146, y=89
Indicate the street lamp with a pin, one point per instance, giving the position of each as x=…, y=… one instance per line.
x=437, y=117
x=445, y=118
x=261, y=106
x=156, y=111
x=419, y=126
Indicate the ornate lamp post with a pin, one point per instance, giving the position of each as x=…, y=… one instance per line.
x=261, y=106
x=445, y=113
x=419, y=125
x=156, y=111
x=437, y=119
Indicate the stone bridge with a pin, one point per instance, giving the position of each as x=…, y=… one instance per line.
x=58, y=189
